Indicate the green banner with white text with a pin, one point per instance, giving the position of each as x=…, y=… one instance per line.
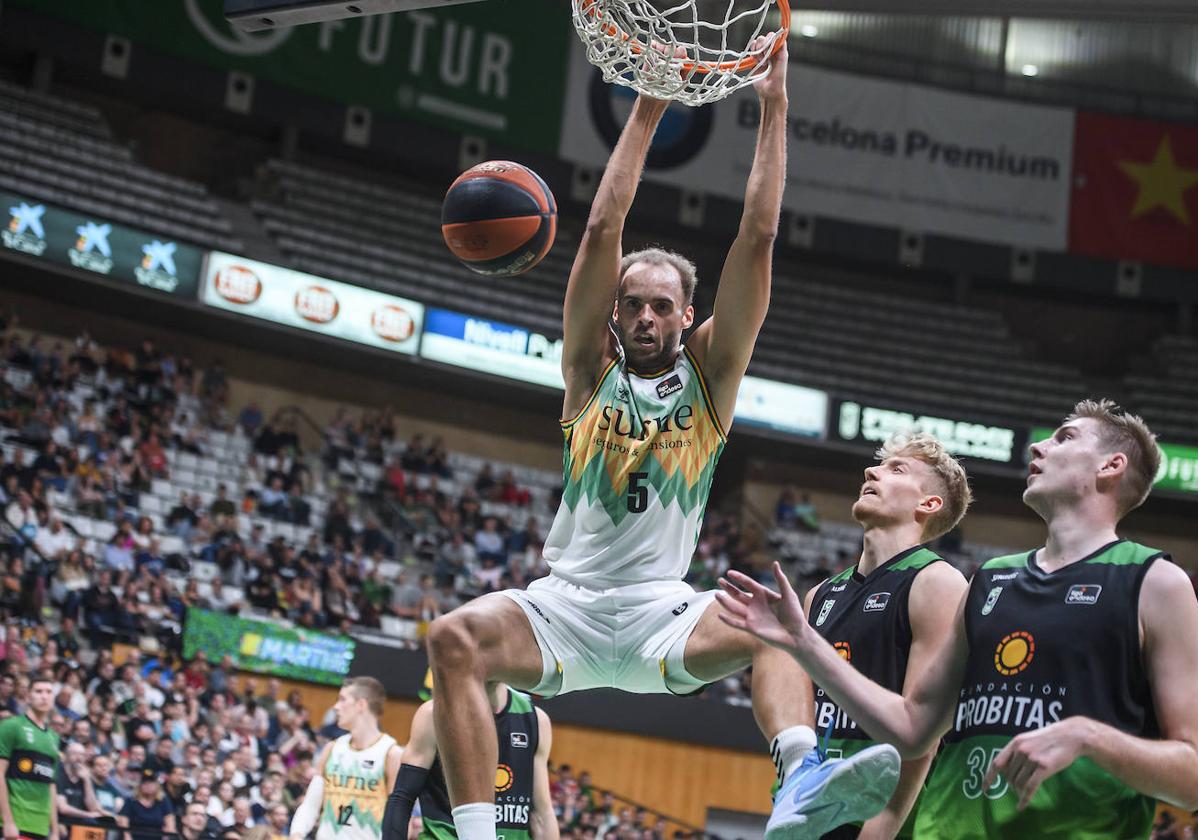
x=495, y=68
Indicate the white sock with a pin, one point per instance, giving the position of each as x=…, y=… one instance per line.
x=789, y=747
x=475, y=821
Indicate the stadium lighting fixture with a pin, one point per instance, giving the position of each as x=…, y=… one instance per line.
x=808, y=30
x=1031, y=70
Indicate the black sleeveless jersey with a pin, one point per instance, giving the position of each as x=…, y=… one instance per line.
x=1044, y=647
x=866, y=619
x=518, y=740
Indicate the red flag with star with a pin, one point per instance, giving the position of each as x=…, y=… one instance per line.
x=1135, y=190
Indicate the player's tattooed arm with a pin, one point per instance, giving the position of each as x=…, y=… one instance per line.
x=543, y=821
x=724, y=344
x=1165, y=768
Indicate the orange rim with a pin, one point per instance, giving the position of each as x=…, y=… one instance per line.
x=587, y=7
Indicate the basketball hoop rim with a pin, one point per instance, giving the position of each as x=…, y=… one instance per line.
x=748, y=62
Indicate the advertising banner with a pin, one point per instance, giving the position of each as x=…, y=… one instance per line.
x=487, y=68
x=782, y=407
x=854, y=421
x=92, y=244
x=1179, y=464
x=492, y=347
x=315, y=304
x=861, y=149
x=268, y=648
x=1135, y=194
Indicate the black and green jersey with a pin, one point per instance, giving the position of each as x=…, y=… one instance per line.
x=32, y=753
x=518, y=740
x=1044, y=647
x=865, y=618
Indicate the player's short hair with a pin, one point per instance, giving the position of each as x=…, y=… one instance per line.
x=42, y=678
x=370, y=690
x=1129, y=434
x=952, y=482
x=687, y=273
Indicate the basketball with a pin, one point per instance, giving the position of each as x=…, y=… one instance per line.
x=499, y=218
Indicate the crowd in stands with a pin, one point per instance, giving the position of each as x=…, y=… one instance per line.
x=94, y=436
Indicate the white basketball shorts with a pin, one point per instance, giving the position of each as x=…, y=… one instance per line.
x=629, y=637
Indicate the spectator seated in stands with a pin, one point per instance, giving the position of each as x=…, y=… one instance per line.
x=272, y=500
x=489, y=542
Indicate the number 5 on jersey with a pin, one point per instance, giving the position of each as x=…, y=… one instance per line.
x=638, y=493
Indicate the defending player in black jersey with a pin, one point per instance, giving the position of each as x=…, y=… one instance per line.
x=886, y=613
x=1067, y=685
x=523, y=805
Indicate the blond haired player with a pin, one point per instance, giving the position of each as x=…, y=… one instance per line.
x=347, y=796
x=1067, y=685
x=645, y=420
x=885, y=614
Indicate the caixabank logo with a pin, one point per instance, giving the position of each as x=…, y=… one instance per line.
x=25, y=232
x=681, y=135
x=157, y=266
x=91, y=250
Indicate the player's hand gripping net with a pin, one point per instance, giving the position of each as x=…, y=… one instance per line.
x=690, y=51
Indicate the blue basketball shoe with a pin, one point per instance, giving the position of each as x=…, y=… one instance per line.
x=823, y=792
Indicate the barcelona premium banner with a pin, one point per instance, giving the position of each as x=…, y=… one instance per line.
x=315, y=304
x=492, y=68
x=862, y=149
x=1135, y=193
x=92, y=244
x=268, y=648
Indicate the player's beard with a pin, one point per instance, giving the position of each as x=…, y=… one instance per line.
x=650, y=360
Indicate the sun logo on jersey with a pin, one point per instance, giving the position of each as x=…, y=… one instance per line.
x=1014, y=653
x=844, y=650
x=504, y=778
x=25, y=765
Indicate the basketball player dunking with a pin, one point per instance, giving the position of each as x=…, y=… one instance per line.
x=1066, y=687
x=354, y=774
x=644, y=422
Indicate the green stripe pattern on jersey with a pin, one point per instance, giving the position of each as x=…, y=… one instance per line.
x=32, y=754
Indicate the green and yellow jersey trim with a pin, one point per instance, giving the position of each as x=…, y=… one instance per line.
x=707, y=401
x=567, y=423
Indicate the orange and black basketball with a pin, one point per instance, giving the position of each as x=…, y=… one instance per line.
x=499, y=218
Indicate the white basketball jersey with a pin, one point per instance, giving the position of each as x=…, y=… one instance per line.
x=355, y=791
x=638, y=464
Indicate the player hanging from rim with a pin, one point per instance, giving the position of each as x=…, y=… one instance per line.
x=885, y=614
x=1067, y=685
x=523, y=803
x=348, y=792
x=28, y=765
x=643, y=431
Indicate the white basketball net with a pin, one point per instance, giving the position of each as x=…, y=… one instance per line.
x=673, y=49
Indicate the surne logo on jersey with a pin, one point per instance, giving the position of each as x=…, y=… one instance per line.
x=1083, y=593
x=876, y=602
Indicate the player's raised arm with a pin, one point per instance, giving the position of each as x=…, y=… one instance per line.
x=912, y=724
x=596, y=272
x=725, y=342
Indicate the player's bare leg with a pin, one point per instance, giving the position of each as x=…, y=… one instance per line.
x=484, y=641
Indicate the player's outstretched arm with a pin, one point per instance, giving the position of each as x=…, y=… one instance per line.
x=417, y=758
x=912, y=724
x=725, y=342
x=596, y=272
x=543, y=821
x=1166, y=769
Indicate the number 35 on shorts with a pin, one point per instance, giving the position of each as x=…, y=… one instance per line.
x=979, y=761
